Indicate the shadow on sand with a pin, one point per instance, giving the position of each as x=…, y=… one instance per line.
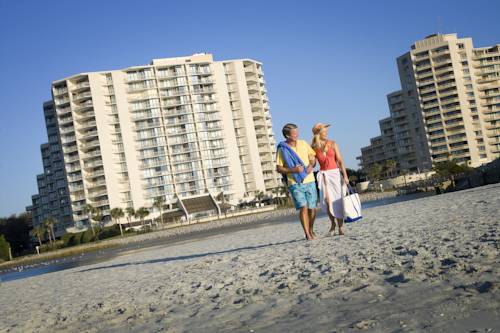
x=192, y=256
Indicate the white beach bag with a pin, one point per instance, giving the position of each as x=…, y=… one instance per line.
x=352, y=206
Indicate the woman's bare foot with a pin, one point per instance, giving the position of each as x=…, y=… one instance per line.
x=341, y=232
x=310, y=237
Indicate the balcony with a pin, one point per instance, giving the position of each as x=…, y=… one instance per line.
x=82, y=96
x=161, y=163
x=206, y=99
x=490, y=126
x=94, y=174
x=83, y=106
x=72, y=159
x=259, y=123
x=428, y=89
x=157, y=154
x=68, y=139
x=70, y=149
x=91, y=154
x=148, y=125
x=89, y=145
x=429, y=105
x=446, y=102
x=101, y=203
x=59, y=92
x=67, y=129
x=99, y=193
x=74, y=178
x=252, y=78
x=87, y=125
x=206, y=90
x=445, y=78
x=88, y=135
x=93, y=164
x=77, y=197
x=167, y=74
x=200, y=71
x=252, y=88
x=256, y=105
x=61, y=101
x=175, y=102
x=424, y=75
x=81, y=86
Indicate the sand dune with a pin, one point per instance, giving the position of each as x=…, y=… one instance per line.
x=430, y=264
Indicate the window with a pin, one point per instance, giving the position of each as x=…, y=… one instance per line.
x=460, y=46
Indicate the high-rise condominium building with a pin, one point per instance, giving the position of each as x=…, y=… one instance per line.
x=448, y=107
x=178, y=128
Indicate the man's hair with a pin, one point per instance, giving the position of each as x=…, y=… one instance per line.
x=287, y=129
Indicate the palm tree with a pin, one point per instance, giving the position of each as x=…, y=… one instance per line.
x=283, y=192
x=390, y=166
x=159, y=204
x=117, y=214
x=38, y=232
x=374, y=172
x=259, y=195
x=141, y=213
x=89, y=210
x=404, y=172
x=49, y=224
x=98, y=217
x=130, y=214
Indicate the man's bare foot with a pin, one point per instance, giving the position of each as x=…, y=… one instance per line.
x=331, y=232
x=341, y=232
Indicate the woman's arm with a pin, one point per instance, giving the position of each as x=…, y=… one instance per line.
x=340, y=161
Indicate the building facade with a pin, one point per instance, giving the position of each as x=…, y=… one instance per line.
x=448, y=107
x=177, y=128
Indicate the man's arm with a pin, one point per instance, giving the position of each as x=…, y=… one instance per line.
x=281, y=168
x=285, y=170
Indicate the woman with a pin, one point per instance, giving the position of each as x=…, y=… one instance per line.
x=332, y=177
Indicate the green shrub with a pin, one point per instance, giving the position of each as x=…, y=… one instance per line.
x=4, y=248
x=87, y=237
x=109, y=232
x=66, y=238
x=58, y=244
x=75, y=240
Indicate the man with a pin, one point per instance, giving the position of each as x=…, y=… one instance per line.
x=293, y=154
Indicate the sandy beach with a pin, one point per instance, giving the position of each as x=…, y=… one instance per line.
x=429, y=265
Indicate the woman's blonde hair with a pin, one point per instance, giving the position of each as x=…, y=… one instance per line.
x=316, y=142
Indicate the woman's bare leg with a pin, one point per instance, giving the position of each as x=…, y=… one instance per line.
x=332, y=220
x=340, y=223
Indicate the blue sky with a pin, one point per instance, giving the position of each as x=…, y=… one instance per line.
x=323, y=60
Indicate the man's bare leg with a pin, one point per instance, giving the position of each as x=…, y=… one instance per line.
x=304, y=219
x=312, y=217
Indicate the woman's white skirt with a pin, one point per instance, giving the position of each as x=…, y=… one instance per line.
x=331, y=192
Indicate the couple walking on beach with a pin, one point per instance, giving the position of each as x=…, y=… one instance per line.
x=293, y=154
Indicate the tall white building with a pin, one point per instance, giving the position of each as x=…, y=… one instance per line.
x=178, y=128
x=448, y=107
